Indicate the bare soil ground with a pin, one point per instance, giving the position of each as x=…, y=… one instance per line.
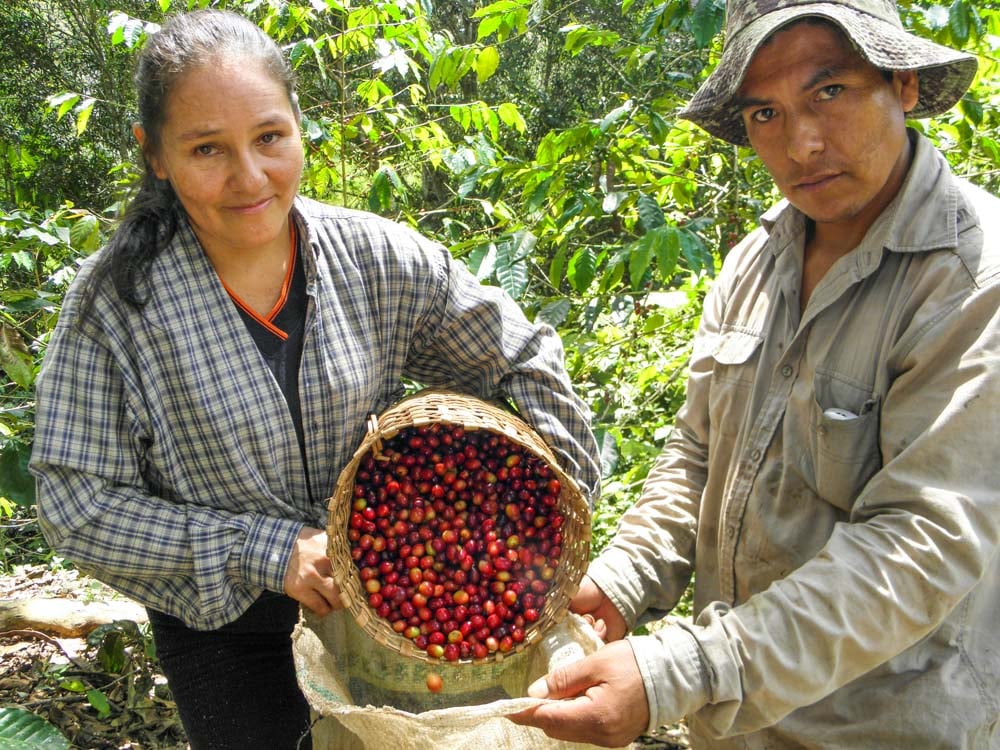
x=104, y=692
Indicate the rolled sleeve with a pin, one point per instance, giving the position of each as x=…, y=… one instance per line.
x=672, y=673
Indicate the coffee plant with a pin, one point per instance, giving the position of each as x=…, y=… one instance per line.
x=539, y=143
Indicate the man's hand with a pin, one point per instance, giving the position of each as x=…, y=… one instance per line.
x=594, y=605
x=309, y=576
x=605, y=701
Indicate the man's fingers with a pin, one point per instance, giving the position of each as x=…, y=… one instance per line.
x=564, y=682
x=572, y=720
x=599, y=700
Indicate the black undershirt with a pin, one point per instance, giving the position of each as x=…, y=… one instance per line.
x=284, y=354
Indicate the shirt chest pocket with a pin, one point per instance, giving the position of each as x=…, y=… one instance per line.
x=845, y=419
x=735, y=354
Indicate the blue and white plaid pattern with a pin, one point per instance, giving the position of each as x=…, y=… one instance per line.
x=166, y=462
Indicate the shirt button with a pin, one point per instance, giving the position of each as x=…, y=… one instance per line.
x=755, y=454
x=786, y=371
x=730, y=531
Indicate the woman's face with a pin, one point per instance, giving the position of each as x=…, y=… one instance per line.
x=231, y=149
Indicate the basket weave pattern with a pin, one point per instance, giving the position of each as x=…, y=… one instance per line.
x=435, y=406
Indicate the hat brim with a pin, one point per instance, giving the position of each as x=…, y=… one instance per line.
x=944, y=73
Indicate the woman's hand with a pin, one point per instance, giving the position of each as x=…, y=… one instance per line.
x=309, y=576
x=598, y=609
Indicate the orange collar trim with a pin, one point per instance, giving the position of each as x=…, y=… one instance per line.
x=267, y=321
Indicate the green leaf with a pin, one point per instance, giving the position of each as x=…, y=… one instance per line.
x=659, y=127
x=539, y=194
x=639, y=256
x=650, y=214
x=380, y=193
x=706, y=21
x=487, y=62
x=45, y=237
x=958, y=22
x=581, y=269
x=558, y=267
x=15, y=359
x=99, y=701
x=111, y=654
x=62, y=103
x=83, y=112
x=16, y=484
x=972, y=109
x=85, y=233
x=510, y=116
x=482, y=261
x=512, y=267
x=133, y=32
x=668, y=250
x=615, y=115
x=697, y=255
x=74, y=685
x=487, y=26
x=23, y=730
x=554, y=313
x=607, y=446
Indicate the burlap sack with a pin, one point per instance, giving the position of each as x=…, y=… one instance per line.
x=367, y=697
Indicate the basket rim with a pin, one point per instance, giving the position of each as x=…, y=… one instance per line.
x=572, y=503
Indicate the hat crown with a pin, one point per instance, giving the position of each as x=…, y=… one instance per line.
x=740, y=13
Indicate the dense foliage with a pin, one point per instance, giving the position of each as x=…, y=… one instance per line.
x=538, y=141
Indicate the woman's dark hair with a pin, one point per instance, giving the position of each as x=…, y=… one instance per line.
x=186, y=42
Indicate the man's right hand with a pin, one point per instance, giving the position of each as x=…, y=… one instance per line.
x=607, y=620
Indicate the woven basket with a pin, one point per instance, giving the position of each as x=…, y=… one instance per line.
x=436, y=406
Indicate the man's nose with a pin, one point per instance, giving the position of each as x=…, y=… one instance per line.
x=804, y=136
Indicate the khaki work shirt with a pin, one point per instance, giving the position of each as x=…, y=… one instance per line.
x=846, y=569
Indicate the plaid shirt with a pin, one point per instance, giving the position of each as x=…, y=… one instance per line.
x=166, y=461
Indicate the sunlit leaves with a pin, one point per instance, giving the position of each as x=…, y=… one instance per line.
x=81, y=106
x=580, y=36
x=129, y=31
x=503, y=18
x=487, y=62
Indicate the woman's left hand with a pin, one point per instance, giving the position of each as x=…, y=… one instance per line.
x=309, y=576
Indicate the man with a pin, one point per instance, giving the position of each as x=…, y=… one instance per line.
x=831, y=478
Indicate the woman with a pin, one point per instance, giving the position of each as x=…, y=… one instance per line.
x=215, y=364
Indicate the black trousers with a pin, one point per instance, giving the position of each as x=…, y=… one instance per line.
x=235, y=687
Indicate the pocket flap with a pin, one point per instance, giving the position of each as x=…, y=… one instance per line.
x=735, y=347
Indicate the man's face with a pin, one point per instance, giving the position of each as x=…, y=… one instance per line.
x=828, y=125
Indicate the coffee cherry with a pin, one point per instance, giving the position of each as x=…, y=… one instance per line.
x=457, y=537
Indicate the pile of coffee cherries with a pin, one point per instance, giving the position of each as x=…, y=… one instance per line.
x=456, y=535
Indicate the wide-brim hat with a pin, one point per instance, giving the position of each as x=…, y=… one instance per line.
x=874, y=28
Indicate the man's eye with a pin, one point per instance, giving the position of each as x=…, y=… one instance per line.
x=268, y=138
x=828, y=92
x=762, y=115
x=204, y=149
